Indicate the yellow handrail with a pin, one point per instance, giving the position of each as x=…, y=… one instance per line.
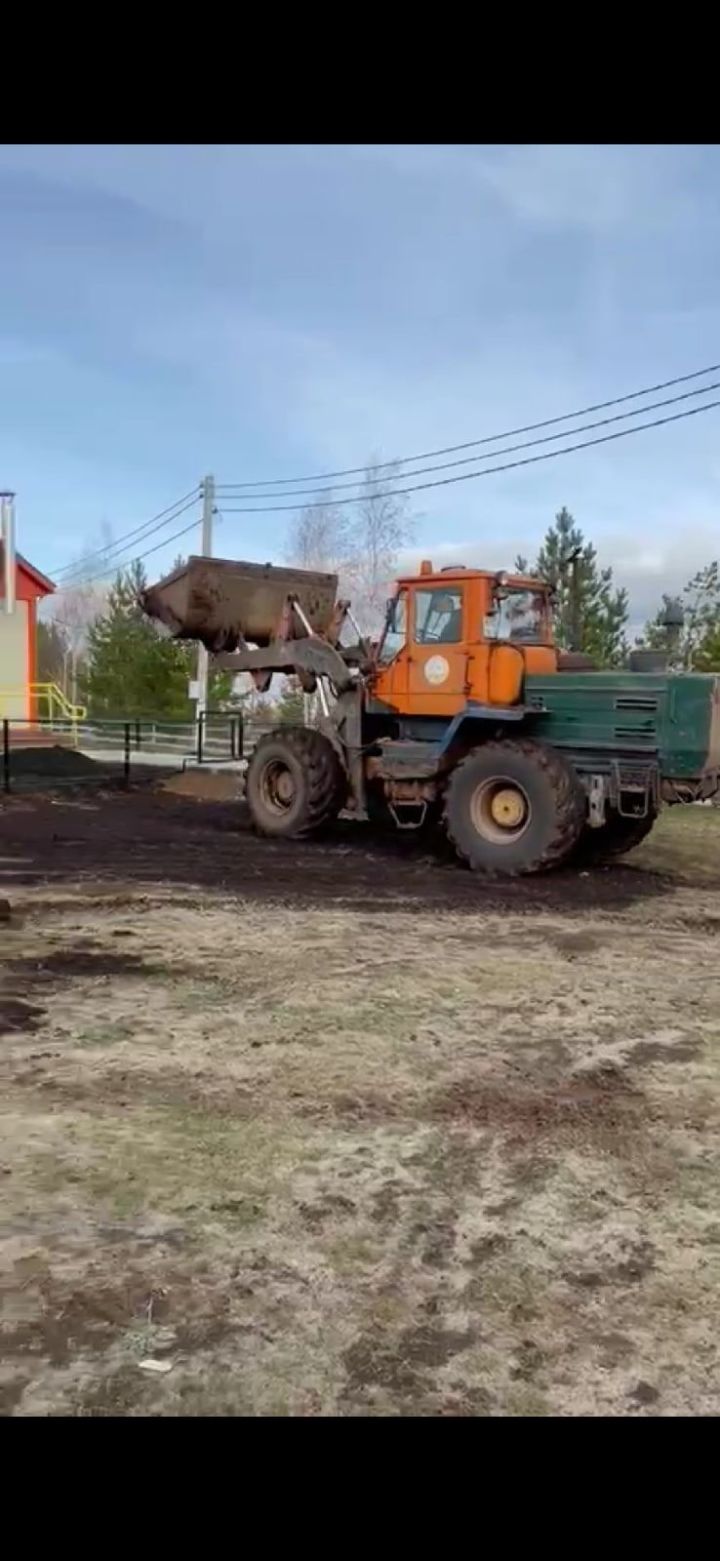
x=57, y=702
x=58, y=706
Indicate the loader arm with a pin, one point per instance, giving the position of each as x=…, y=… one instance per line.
x=308, y=655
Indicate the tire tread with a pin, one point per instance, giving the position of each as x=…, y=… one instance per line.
x=569, y=806
x=322, y=770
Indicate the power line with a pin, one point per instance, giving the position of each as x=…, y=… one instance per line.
x=135, y=558
x=452, y=449
x=528, y=460
x=527, y=444
x=146, y=529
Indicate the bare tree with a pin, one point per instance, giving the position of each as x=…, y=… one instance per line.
x=360, y=543
x=75, y=606
x=321, y=538
x=73, y=610
x=78, y=602
x=381, y=526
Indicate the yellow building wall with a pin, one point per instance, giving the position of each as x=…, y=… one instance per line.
x=14, y=692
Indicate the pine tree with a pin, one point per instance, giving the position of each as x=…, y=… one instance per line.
x=291, y=704
x=52, y=653
x=588, y=606
x=132, y=670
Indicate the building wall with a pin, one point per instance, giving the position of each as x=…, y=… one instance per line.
x=15, y=670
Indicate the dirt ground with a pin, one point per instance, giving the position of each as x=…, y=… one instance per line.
x=339, y=1128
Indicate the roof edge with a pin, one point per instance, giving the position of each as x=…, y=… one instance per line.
x=46, y=585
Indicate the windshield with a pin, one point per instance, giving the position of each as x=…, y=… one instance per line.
x=518, y=615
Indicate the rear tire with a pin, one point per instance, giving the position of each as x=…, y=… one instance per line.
x=514, y=807
x=618, y=836
x=295, y=782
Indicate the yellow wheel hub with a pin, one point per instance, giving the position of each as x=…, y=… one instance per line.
x=507, y=808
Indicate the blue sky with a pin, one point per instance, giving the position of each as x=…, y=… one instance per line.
x=261, y=311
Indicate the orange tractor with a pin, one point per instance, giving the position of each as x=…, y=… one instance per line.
x=464, y=711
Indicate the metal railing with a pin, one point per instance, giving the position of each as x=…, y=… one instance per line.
x=31, y=751
x=213, y=737
x=218, y=739
x=57, y=707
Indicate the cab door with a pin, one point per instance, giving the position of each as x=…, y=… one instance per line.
x=437, y=651
x=391, y=682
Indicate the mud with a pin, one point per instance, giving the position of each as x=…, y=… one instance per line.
x=54, y=762
x=17, y=1015
x=336, y=1128
x=68, y=963
x=149, y=839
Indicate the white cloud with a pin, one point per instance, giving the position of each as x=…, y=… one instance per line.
x=645, y=571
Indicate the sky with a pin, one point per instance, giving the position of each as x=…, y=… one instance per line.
x=265, y=311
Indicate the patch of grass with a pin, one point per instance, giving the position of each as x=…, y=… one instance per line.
x=686, y=842
x=351, y=1252
x=198, y=996
x=105, y=1034
x=201, y=1165
x=524, y=1399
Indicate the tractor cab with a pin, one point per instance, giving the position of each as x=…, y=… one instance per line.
x=462, y=634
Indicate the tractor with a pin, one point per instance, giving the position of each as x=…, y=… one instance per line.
x=463, y=713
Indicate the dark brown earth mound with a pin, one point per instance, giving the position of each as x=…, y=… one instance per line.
x=51, y=763
x=158, y=839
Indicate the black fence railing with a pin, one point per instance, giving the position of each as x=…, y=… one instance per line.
x=44, y=752
x=48, y=752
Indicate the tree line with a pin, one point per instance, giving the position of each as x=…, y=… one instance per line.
x=102, y=650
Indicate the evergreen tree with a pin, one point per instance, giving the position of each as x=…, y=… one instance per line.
x=701, y=600
x=133, y=669
x=291, y=704
x=52, y=653
x=589, y=608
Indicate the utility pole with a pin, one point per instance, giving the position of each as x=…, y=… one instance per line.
x=7, y=530
x=208, y=493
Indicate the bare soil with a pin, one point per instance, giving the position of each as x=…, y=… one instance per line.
x=338, y=1128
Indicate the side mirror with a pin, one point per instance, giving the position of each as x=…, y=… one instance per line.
x=391, y=612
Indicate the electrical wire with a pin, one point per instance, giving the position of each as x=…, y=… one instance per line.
x=527, y=444
x=528, y=460
x=135, y=558
x=452, y=449
x=165, y=517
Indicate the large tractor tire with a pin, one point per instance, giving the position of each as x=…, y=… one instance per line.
x=616, y=837
x=514, y=807
x=295, y=783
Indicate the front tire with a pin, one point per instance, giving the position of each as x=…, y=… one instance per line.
x=514, y=807
x=295, y=782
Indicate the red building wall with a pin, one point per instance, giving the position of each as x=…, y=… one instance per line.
x=30, y=587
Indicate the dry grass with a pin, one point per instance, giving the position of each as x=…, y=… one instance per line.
x=417, y=1162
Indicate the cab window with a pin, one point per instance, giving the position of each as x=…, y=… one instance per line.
x=395, y=633
x=518, y=616
x=438, y=617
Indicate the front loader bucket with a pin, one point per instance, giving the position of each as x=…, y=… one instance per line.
x=223, y=602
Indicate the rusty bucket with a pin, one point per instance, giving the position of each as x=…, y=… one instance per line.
x=223, y=602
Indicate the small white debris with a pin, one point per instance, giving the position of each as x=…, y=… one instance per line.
x=161, y=1366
